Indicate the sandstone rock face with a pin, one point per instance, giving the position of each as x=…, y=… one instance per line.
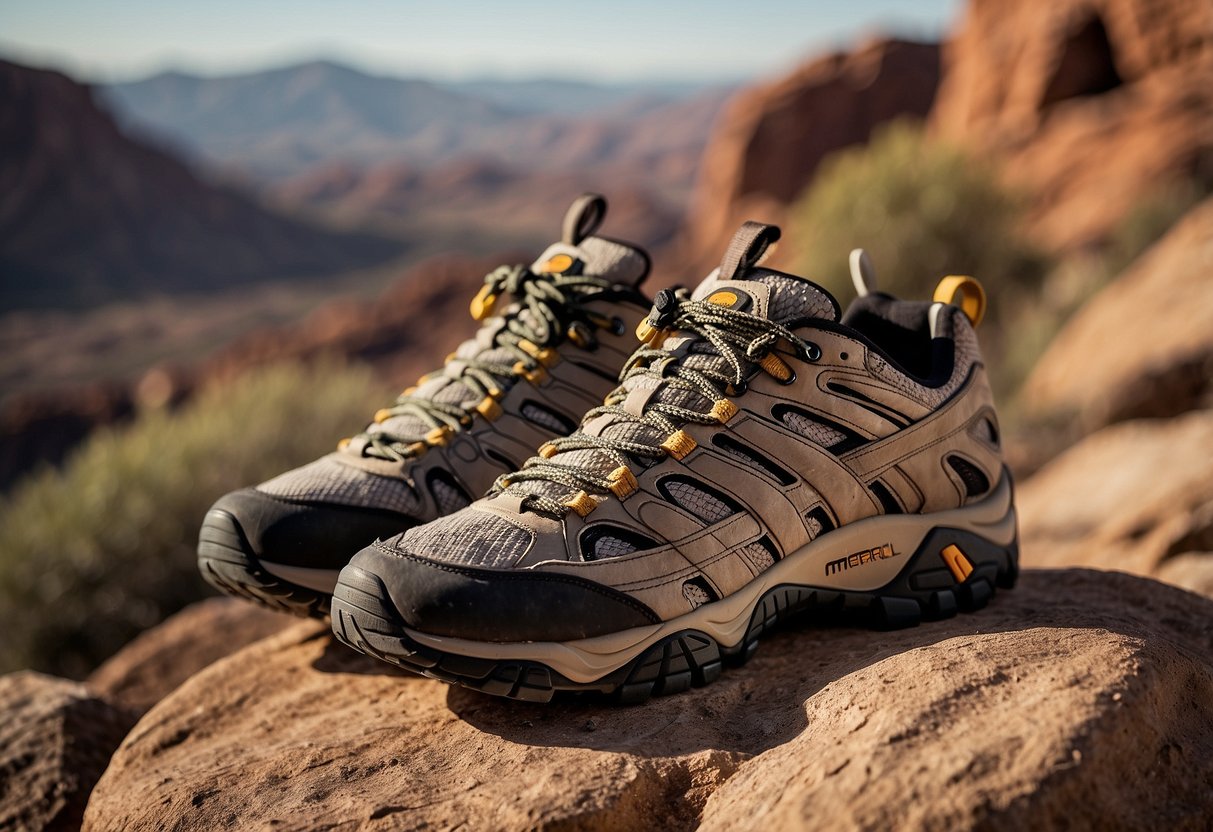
x=95, y=216
x=1143, y=347
x=1091, y=104
x=1133, y=497
x=55, y=740
x=770, y=139
x=1080, y=696
x=144, y=671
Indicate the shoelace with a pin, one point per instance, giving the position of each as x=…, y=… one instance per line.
x=746, y=342
x=545, y=307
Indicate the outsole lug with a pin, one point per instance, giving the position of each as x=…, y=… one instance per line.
x=228, y=564
x=942, y=605
x=897, y=613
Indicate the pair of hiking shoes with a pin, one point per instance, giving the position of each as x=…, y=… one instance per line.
x=759, y=454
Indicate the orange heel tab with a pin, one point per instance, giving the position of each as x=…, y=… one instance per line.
x=965, y=292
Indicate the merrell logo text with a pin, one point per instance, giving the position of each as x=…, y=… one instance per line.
x=885, y=550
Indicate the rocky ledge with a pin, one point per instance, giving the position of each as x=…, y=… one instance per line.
x=1078, y=688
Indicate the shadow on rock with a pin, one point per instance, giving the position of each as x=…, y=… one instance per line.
x=338, y=658
x=760, y=705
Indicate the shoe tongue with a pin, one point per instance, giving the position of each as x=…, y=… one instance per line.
x=595, y=256
x=776, y=296
x=740, y=283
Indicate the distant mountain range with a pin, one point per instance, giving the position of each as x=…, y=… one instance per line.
x=279, y=123
x=88, y=215
x=562, y=97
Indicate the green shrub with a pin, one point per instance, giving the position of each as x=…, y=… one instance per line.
x=922, y=210
x=97, y=551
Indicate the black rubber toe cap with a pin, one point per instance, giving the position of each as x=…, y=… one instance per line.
x=314, y=536
x=498, y=605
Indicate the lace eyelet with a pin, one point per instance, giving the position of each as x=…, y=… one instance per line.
x=581, y=335
x=811, y=351
x=618, y=327
x=790, y=380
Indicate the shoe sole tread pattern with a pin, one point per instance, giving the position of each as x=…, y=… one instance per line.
x=365, y=619
x=227, y=563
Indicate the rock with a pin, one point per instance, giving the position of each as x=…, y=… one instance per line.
x=144, y=671
x=1072, y=718
x=1142, y=347
x=1091, y=105
x=1078, y=692
x=55, y=740
x=1131, y=496
x=770, y=139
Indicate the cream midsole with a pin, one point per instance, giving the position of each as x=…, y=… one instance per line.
x=321, y=580
x=726, y=620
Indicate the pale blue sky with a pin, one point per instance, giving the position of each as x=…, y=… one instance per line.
x=611, y=40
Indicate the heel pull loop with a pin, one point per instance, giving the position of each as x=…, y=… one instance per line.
x=583, y=218
x=965, y=292
x=752, y=242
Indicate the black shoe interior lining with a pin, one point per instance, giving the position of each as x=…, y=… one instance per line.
x=902, y=331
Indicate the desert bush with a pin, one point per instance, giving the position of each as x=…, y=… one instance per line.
x=94, y=552
x=922, y=210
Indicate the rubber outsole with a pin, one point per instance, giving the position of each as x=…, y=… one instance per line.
x=365, y=618
x=227, y=562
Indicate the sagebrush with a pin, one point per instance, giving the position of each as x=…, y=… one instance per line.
x=93, y=553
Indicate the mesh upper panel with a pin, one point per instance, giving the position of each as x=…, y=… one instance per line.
x=985, y=431
x=541, y=417
x=449, y=498
x=738, y=453
x=696, y=595
x=792, y=299
x=700, y=503
x=814, y=526
x=812, y=429
x=470, y=538
x=758, y=555
x=329, y=481
x=612, y=547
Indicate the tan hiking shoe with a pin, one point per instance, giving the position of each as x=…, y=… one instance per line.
x=543, y=357
x=762, y=456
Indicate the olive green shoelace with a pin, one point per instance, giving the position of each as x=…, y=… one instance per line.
x=740, y=340
x=545, y=308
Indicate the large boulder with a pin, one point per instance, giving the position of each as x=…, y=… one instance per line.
x=1136, y=496
x=1090, y=104
x=1142, y=347
x=771, y=138
x=55, y=740
x=1079, y=697
x=144, y=671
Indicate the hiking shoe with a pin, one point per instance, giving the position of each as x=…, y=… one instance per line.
x=530, y=372
x=763, y=455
